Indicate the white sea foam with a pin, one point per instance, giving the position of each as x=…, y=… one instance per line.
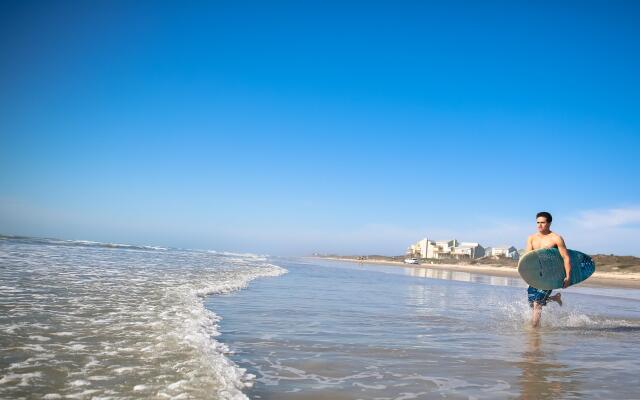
x=103, y=311
x=20, y=379
x=39, y=338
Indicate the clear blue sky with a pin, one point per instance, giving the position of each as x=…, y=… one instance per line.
x=288, y=128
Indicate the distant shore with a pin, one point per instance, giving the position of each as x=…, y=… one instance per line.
x=608, y=279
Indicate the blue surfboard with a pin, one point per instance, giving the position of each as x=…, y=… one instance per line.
x=544, y=268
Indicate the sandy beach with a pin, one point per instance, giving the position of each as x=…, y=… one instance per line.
x=602, y=279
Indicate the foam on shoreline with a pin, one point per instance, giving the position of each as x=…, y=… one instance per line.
x=95, y=321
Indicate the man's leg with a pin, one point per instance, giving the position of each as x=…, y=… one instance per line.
x=537, y=313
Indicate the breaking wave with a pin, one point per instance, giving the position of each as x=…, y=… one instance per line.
x=87, y=319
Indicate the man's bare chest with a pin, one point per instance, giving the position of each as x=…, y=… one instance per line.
x=543, y=243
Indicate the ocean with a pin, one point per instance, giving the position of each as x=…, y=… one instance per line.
x=88, y=320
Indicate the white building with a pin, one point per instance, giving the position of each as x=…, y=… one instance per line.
x=419, y=249
x=468, y=250
x=504, y=251
x=439, y=249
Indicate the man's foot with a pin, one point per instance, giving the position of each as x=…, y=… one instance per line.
x=558, y=299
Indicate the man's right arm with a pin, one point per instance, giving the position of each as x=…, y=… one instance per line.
x=529, y=244
x=562, y=247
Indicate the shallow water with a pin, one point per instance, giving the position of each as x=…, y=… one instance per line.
x=336, y=330
x=106, y=321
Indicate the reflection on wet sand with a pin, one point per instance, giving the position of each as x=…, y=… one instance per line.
x=541, y=377
x=462, y=276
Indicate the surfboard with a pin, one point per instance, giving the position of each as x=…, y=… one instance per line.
x=544, y=268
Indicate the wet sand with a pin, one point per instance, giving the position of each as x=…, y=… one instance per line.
x=600, y=279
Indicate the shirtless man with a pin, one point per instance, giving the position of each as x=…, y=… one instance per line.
x=545, y=239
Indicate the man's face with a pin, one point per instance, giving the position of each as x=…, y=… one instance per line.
x=542, y=223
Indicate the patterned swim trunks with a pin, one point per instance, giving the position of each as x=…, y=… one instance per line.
x=537, y=296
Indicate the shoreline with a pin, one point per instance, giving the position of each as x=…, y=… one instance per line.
x=628, y=280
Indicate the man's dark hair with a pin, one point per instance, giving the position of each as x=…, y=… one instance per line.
x=544, y=214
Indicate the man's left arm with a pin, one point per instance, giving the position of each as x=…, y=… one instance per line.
x=567, y=261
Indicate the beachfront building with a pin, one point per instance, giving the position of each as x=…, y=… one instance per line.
x=469, y=250
x=415, y=250
x=439, y=249
x=426, y=248
x=504, y=252
x=418, y=249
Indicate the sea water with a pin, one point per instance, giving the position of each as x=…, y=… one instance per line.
x=88, y=320
x=338, y=330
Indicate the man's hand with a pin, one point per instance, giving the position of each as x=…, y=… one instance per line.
x=567, y=260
